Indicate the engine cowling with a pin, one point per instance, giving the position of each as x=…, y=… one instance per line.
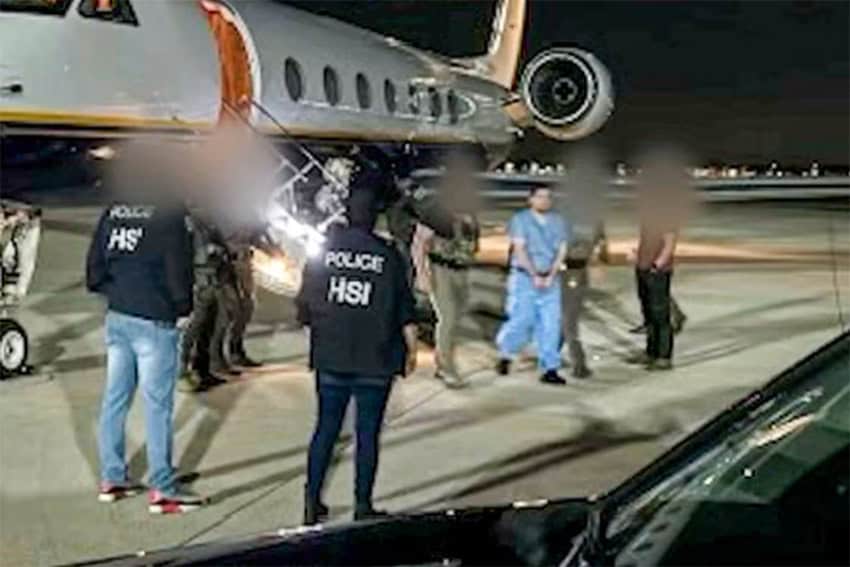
x=568, y=92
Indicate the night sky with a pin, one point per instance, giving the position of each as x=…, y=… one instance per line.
x=730, y=81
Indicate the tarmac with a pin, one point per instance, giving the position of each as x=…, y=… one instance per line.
x=761, y=283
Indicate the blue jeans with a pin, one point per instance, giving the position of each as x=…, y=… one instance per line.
x=335, y=390
x=139, y=351
x=532, y=312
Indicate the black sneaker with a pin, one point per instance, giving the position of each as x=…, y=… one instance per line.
x=553, y=378
x=369, y=513
x=503, y=368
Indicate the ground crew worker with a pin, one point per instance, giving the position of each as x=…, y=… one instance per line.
x=141, y=259
x=208, y=256
x=358, y=283
x=575, y=284
x=539, y=239
x=446, y=263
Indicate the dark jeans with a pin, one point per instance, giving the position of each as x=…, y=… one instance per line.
x=654, y=294
x=371, y=394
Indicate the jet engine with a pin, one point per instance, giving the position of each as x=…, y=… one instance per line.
x=568, y=93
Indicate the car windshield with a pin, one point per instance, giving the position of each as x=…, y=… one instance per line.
x=787, y=459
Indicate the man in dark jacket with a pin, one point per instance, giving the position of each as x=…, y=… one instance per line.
x=140, y=259
x=358, y=283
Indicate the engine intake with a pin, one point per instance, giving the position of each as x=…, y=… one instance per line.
x=568, y=91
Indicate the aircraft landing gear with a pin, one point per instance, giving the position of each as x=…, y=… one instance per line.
x=14, y=349
x=20, y=229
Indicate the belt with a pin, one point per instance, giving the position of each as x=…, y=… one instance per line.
x=448, y=263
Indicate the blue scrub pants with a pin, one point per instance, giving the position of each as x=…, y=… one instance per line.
x=531, y=313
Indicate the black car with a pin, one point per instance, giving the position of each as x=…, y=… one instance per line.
x=767, y=482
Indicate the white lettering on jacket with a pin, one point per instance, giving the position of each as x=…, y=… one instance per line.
x=346, y=291
x=125, y=239
x=362, y=261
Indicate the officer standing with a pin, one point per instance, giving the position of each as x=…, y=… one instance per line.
x=141, y=259
x=242, y=254
x=208, y=256
x=228, y=312
x=539, y=243
x=358, y=283
x=447, y=262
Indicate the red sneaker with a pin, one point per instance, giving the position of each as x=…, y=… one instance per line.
x=110, y=492
x=180, y=502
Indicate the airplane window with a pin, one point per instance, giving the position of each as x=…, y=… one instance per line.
x=452, y=103
x=332, y=93
x=436, y=103
x=292, y=77
x=413, y=98
x=364, y=91
x=52, y=7
x=117, y=11
x=390, y=96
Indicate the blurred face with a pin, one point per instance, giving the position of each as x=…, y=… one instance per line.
x=541, y=200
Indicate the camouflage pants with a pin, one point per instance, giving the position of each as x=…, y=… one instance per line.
x=237, y=309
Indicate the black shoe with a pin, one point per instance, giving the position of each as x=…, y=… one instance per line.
x=246, y=361
x=639, y=330
x=210, y=380
x=504, y=367
x=582, y=372
x=553, y=378
x=315, y=513
x=369, y=513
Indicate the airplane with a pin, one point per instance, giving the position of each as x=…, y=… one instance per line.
x=112, y=69
x=115, y=68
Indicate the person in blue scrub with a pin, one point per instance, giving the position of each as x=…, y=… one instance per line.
x=538, y=238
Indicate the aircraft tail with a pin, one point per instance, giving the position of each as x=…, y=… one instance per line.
x=502, y=58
